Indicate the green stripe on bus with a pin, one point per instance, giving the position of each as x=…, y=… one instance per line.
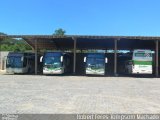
x=142, y=62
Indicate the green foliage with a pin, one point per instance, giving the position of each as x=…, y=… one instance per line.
x=59, y=32
x=9, y=44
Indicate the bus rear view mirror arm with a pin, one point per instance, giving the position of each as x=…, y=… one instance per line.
x=22, y=58
x=41, y=59
x=84, y=59
x=61, y=58
x=106, y=60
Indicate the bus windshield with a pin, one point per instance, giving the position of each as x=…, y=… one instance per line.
x=14, y=62
x=52, y=61
x=95, y=62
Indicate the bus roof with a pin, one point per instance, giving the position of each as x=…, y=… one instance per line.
x=19, y=54
x=96, y=54
x=53, y=53
x=142, y=50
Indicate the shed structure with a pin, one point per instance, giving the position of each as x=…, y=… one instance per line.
x=84, y=42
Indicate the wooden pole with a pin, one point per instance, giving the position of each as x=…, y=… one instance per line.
x=157, y=71
x=74, y=55
x=36, y=59
x=115, y=57
x=0, y=56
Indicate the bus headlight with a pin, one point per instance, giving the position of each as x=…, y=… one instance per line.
x=45, y=69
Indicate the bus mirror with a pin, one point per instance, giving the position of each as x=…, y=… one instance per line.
x=84, y=59
x=41, y=58
x=61, y=58
x=22, y=58
x=106, y=60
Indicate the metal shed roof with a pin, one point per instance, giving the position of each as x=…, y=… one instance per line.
x=87, y=42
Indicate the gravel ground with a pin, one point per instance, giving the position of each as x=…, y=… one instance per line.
x=78, y=94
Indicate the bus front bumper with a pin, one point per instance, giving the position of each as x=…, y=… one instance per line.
x=15, y=70
x=53, y=72
x=88, y=72
x=142, y=71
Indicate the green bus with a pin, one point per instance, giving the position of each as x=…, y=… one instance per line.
x=141, y=62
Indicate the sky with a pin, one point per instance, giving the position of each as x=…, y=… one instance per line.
x=80, y=17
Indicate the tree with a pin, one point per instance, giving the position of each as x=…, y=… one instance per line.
x=10, y=44
x=1, y=33
x=59, y=32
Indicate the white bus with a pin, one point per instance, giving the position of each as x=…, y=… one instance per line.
x=18, y=62
x=95, y=63
x=141, y=63
x=56, y=63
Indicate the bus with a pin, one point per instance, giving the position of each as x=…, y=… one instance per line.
x=95, y=63
x=56, y=63
x=17, y=62
x=141, y=62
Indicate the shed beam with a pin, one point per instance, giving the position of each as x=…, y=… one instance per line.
x=157, y=56
x=28, y=43
x=36, y=56
x=74, y=55
x=115, y=57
